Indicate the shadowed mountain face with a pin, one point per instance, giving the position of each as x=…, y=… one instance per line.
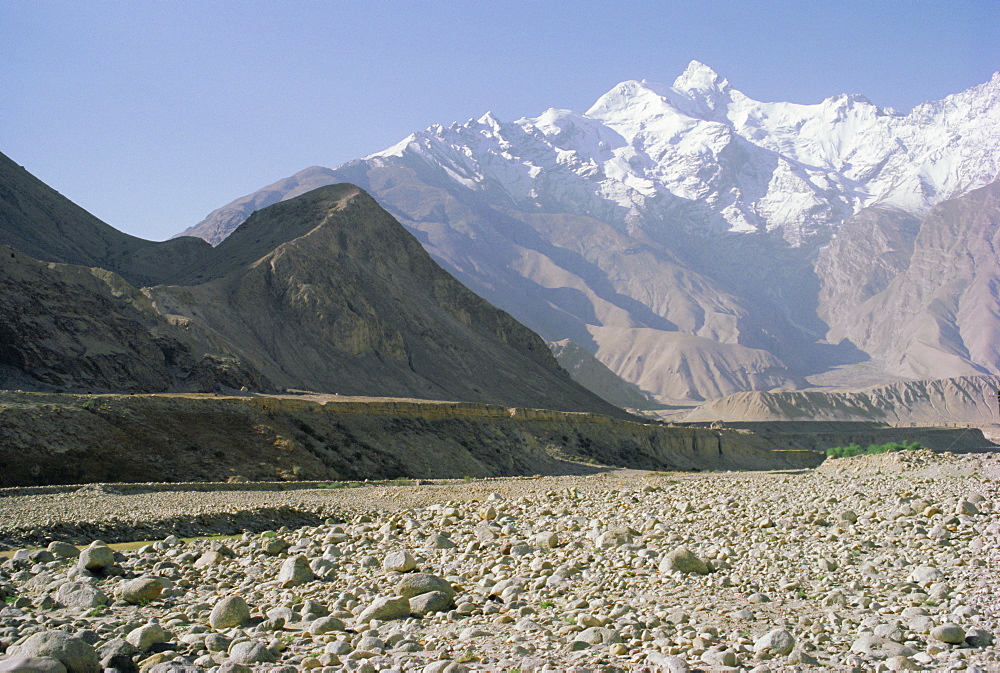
x=351, y=303
x=324, y=292
x=75, y=328
x=893, y=295
x=40, y=222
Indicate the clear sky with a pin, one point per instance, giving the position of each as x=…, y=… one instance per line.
x=151, y=114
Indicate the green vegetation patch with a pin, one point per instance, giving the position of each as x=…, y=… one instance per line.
x=857, y=450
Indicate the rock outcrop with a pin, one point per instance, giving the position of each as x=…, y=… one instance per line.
x=327, y=292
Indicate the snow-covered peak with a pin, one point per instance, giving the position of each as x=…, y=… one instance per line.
x=752, y=165
x=490, y=120
x=627, y=101
x=698, y=78
x=395, y=150
x=699, y=93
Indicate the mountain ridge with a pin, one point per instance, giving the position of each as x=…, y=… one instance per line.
x=324, y=292
x=685, y=219
x=957, y=400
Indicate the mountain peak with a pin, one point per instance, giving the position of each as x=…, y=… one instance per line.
x=630, y=98
x=699, y=77
x=490, y=120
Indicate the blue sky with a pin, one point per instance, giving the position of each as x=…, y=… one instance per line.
x=152, y=114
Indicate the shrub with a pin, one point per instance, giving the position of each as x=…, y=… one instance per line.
x=857, y=450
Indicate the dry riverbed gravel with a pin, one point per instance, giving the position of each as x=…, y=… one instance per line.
x=879, y=563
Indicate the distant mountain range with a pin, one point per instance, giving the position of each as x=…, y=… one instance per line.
x=957, y=400
x=699, y=243
x=323, y=292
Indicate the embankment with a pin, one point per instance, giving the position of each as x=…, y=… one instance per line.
x=822, y=435
x=72, y=439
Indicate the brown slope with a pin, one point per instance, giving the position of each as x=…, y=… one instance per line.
x=325, y=292
x=923, y=301
x=74, y=328
x=328, y=292
x=593, y=375
x=651, y=317
x=41, y=222
x=963, y=399
x=223, y=221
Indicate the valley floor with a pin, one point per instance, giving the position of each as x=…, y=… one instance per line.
x=886, y=562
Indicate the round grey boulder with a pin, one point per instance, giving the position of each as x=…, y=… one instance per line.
x=32, y=665
x=776, y=642
x=415, y=584
x=80, y=595
x=229, y=612
x=399, y=561
x=439, y=541
x=925, y=575
x=63, y=549
x=96, y=559
x=216, y=642
x=952, y=634
x=146, y=636
x=233, y=667
x=598, y=635
x=385, y=609
x=432, y=601
x=667, y=663
x=75, y=654
x=251, y=652
x=140, y=590
x=683, y=560
x=978, y=637
x=325, y=625
x=295, y=571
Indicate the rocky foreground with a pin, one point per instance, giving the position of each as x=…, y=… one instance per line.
x=886, y=562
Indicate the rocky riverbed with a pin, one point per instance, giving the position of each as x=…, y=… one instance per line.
x=885, y=562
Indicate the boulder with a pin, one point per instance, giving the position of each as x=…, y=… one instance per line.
x=385, y=608
x=415, y=584
x=229, y=612
x=683, y=560
x=325, y=625
x=146, y=636
x=140, y=590
x=398, y=561
x=63, y=549
x=32, y=665
x=251, y=652
x=432, y=601
x=74, y=653
x=81, y=595
x=295, y=571
x=773, y=643
x=96, y=558
x=952, y=634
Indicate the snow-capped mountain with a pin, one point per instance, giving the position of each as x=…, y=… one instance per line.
x=672, y=230
x=761, y=166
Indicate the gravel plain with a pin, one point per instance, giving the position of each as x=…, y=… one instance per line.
x=876, y=563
